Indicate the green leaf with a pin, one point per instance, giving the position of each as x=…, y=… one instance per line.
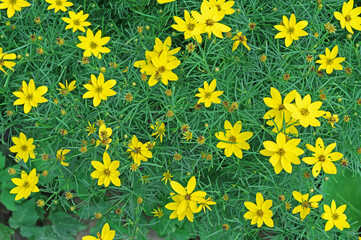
x=5, y=232
x=65, y=226
x=7, y=199
x=25, y=214
x=345, y=189
x=2, y=161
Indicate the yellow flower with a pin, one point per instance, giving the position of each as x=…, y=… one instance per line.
x=159, y=128
x=239, y=38
x=60, y=155
x=282, y=153
x=233, y=141
x=305, y=111
x=67, y=88
x=107, y=171
x=167, y=176
x=329, y=61
x=259, y=213
x=93, y=44
x=305, y=208
x=76, y=21
x=138, y=151
x=187, y=26
x=223, y=7
x=208, y=22
x=23, y=147
x=186, y=201
x=187, y=135
x=4, y=57
x=25, y=185
x=106, y=234
x=278, y=111
x=59, y=5
x=13, y=6
x=335, y=216
x=91, y=129
x=349, y=17
x=290, y=30
x=104, y=136
x=332, y=118
x=98, y=89
x=165, y=1
x=207, y=95
x=157, y=213
x=204, y=203
x=29, y=96
x=323, y=158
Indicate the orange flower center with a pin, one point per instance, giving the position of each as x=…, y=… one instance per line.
x=208, y=95
x=322, y=158
x=191, y=26
x=335, y=216
x=259, y=213
x=29, y=97
x=161, y=69
x=24, y=148
x=241, y=38
x=329, y=62
x=232, y=139
x=98, y=89
x=304, y=111
x=281, y=107
x=107, y=172
x=187, y=197
x=306, y=204
x=26, y=184
x=59, y=3
x=291, y=30
x=12, y=2
x=76, y=22
x=348, y=18
x=210, y=22
x=136, y=150
x=281, y=152
x=93, y=45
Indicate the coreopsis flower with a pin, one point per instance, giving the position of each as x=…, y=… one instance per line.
x=259, y=213
x=186, y=199
x=239, y=38
x=187, y=26
x=138, y=151
x=233, y=141
x=332, y=118
x=106, y=234
x=205, y=203
x=167, y=176
x=290, y=30
x=104, y=136
x=160, y=47
x=207, y=95
x=329, y=61
x=282, y=153
x=306, y=204
x=76, y=21
x=65, y=89
x=13, y=6
x=159, y=128
x=93, y=44
x=60, y=155
x=349, y=17
x=223, y=7
x=3, y=60
x=98, y=89
x=24, y=148
x=208, y=22
x=188, y=135
x=164, y=1
x=91, y=129
x=59, y=5
x=278, y=111
x=335, y=216
x=323, y=158
x=157, y=213
x=106, y=172
x=29, y=96
x=25, y=185
x=305, y=111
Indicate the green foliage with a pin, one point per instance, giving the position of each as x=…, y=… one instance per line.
x=5, y=232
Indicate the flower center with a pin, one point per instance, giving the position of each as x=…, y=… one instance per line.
x=13, y=2
x=304, y=111
x=281, y=152
x=26, y=184
x=232, y=139
x=98, y=90
x=322, y=158
x=259, y=213
x=306, y=204
x=348, y=18
x=241, y=38
x=290, y=30
x=24, y=148
x=107, y=172
x=93, y=45
x=191, y=26
x=187, y=197
x=335, y=216
x=136, y=150
x=105, y=141
x=329, y=62
x=77, y=22
x=162, y=69
x=158, y=75
x=281, y=107
x=29, y=97
x=59, y=3
x=210, y=22
x=208, y=95
x=103, y=134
